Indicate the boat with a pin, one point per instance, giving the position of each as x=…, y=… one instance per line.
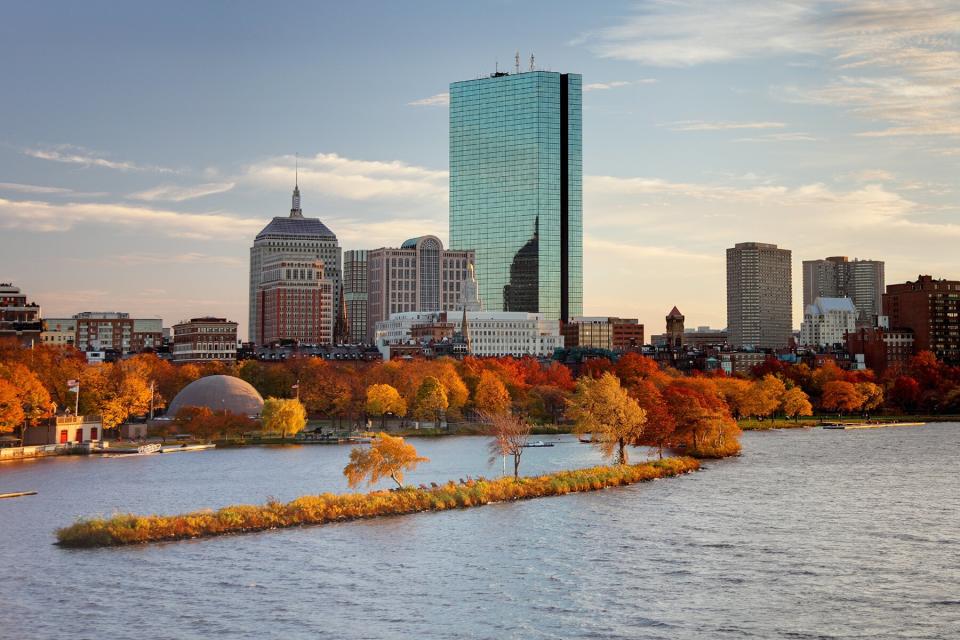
x=539, y=443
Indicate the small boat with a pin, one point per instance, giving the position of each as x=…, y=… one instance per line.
x=539, y=443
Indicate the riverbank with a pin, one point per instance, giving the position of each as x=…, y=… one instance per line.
x=752, y=424
x=129, y=529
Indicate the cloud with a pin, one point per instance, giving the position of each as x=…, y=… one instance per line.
x=700, y=125
x=151, y=258
x=604, y=86
x=33, y=189
x=437, y=100
x=359, y=180
x=50, y=217
x=173, y=193
x=789, y=136
x=70, y=154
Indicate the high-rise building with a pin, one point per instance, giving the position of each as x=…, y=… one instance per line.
x=292, y=238
x=837, y=277
x=420, y=276
x=759, y=296
x=355, y=293
x=295, y=301
x=931, y=308
x=205, y=339
x=516, y=189
x=827, y=322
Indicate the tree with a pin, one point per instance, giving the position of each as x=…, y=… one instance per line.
x=283, y=416
x=383, y=399
x=546, y=403
x=769, y=392
x=491, y=395
x=601, y=407
x=431, y=400
x=510, y=435
x=795, y=403
x=386, y=457
x=906, y=393
x=196, y=421
x=872, y=395
x=11, y=413
x=34, y=400
x=841, y=396
x=661, y=426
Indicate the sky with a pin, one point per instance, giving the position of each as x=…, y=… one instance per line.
x=143, y=145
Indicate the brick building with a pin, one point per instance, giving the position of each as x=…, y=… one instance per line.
x=205, y=339
x=18, y=318
x=116, y=331
x=931, y=309
x=603, y=332
x=882, y=348
x=294, y=301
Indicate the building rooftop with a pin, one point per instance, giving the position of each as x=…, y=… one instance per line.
x=289, y=226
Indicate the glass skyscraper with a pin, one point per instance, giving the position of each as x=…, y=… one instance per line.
x=516, y=189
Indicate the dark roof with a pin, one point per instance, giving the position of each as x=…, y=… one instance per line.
x=296, y=227
x=674, y=313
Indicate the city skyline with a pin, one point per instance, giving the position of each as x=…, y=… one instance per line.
x=825, y=140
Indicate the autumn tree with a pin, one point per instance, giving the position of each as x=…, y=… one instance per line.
x=546, y=403
x=11, y=412
x=197, y=421
x=659, y=431
x=796, y=403
x=841, y=396
x=386, y=457
x=906, y=393
x=510, y=435
x=35, y=402
x=431, y=400
x=768, y=393
x=283, y=416
x=602, y=408
x=491, y=395
x=872, y=395
x=383, y=399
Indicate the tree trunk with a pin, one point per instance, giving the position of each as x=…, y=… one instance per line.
x=393, y=477
x=623, y=450
x=516, y=464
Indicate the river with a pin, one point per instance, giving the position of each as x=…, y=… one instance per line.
x=809, y=534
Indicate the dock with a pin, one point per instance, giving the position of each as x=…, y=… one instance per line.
x=873, y=425
x=17, y=494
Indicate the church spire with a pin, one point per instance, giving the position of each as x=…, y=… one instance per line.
x=295, y=211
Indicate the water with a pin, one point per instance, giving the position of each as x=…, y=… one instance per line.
x=810, y=534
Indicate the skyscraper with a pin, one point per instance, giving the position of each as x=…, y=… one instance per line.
x=310, y=244
x=419, y=276
x=355, y=292
x=837, y=277
x=515, y=189
x=759, y=296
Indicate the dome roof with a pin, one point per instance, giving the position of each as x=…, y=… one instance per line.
x=219, y=393
x=308, y=227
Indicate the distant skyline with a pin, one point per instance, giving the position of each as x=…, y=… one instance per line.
x=144, y=146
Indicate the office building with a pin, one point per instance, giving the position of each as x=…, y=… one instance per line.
x=603, y=332
x=59, y=332
x=497, y=333
x=294, y=301
x=419, y=276
x=931, y=309
x=205, y=339
x=516, y=189
x=116, y=331
x=837, y=277
x=759, y=296
x=827, y=322
x=355, y=293
x=294, y=239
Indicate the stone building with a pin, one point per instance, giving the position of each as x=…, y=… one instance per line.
x=205, y=339
x=759, y=296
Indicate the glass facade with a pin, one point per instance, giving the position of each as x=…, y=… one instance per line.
x=516, y=189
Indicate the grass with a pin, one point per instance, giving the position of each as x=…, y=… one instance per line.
x=126, y=529
x=752, y=424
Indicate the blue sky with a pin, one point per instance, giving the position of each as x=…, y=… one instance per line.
x=142, y=147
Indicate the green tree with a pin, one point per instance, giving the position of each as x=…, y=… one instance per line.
x=283, y=416
x=602, y=408
x=386, y=457
x=431, y=400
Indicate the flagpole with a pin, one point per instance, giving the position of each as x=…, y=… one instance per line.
x=76, y=407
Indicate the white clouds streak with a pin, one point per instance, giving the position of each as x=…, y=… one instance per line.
x=700, y=125
x=69, y=154
x=437, y=100
x=173, y=193
x=349, y=179
x=49, y=217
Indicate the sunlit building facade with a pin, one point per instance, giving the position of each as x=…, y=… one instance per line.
x=516, y=189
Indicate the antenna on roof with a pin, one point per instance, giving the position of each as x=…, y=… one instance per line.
x=516, y=59
x=296, y=169
x=531, y=62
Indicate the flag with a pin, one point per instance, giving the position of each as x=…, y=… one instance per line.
x=73, y=385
